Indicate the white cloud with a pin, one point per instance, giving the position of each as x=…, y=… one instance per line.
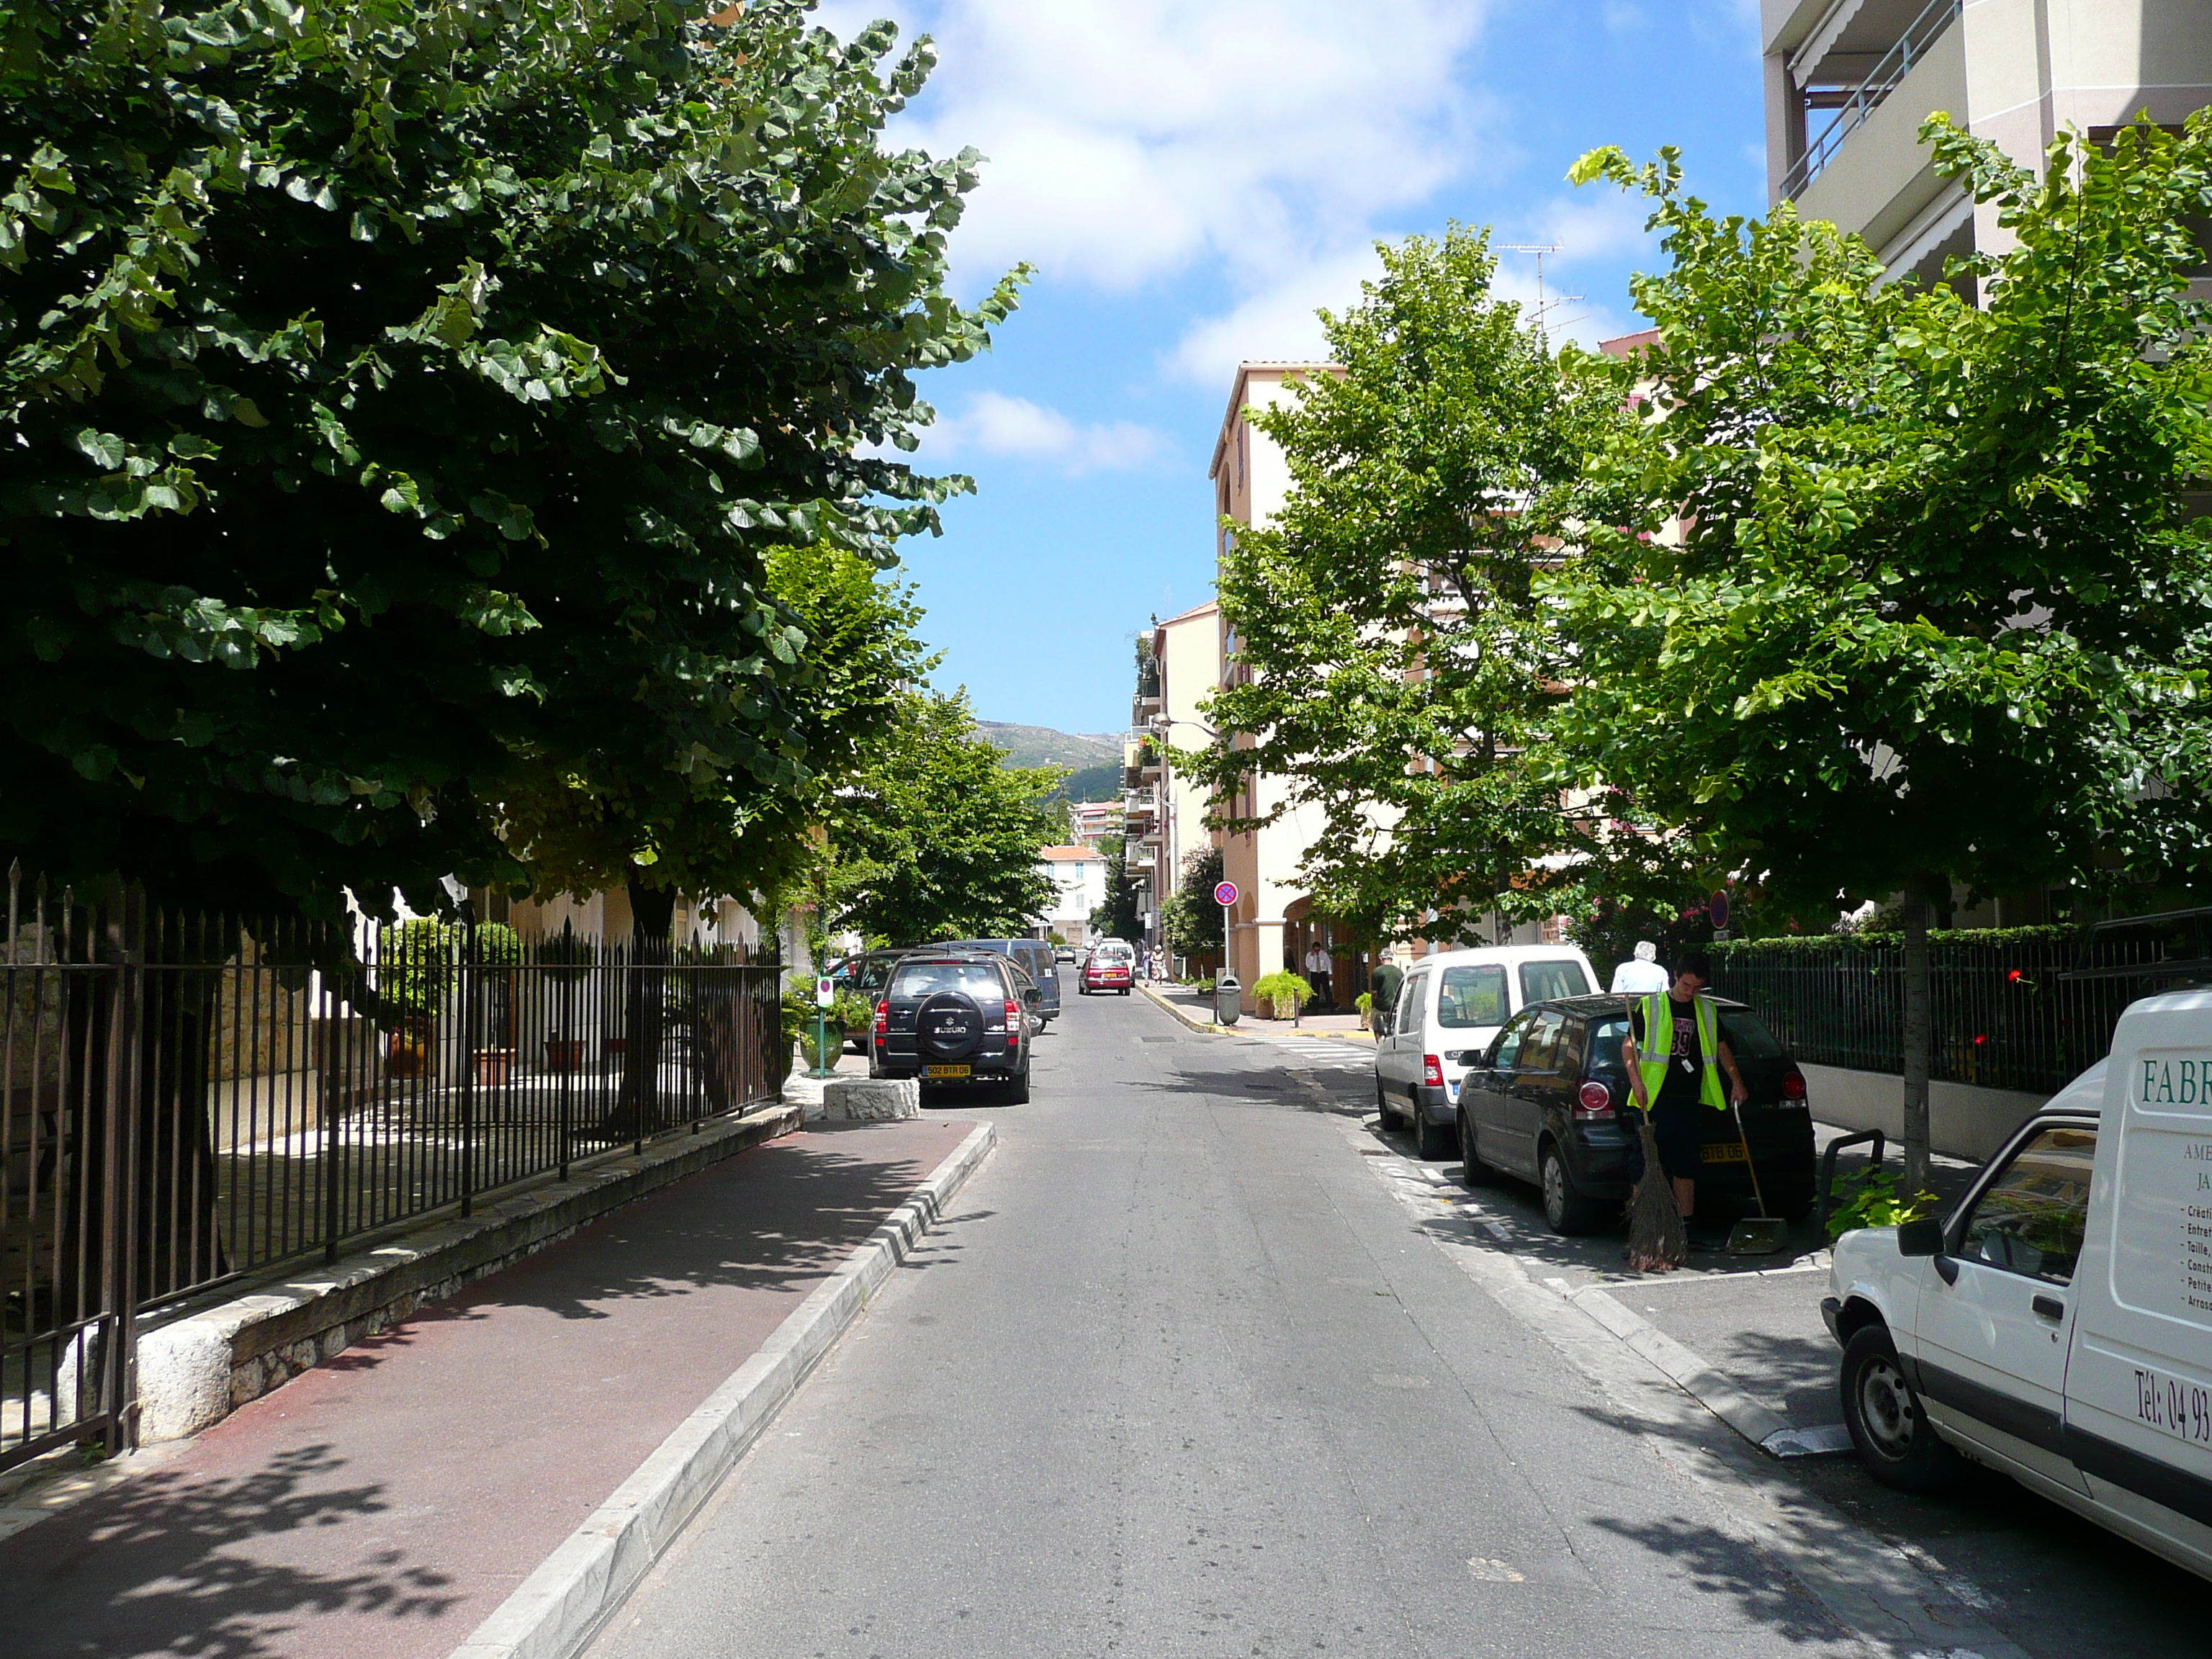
x=1131, y=139
x=1277, y=323
x=995, y=425
x=1621, y=16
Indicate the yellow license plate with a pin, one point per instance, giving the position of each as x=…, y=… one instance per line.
x=1724, y=1154
x=947, y=1071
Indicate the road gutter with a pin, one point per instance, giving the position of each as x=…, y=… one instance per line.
x=1896, y=1604
x=574, y=1591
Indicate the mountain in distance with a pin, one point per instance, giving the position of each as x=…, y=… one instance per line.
x=1095, y=759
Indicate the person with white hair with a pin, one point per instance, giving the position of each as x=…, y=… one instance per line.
x=1642, y=974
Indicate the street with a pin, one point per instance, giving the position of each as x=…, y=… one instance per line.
x=1181, y=1375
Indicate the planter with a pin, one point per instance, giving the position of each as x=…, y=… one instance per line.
x=833, y=1045
x=411, y=1051
x=1263, y=1008
x=564, y=1053
x=494, y=1065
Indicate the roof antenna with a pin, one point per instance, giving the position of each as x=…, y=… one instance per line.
x=1543, y=306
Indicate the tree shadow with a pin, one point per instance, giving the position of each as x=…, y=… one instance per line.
x=165, y=1563
x=1716, y=1564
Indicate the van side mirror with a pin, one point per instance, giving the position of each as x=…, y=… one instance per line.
x=1921, y=1238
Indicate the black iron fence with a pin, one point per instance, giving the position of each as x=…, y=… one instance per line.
x=185, y=1100
x=2028, y=1010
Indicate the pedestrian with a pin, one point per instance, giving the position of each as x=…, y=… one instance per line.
x=1382, y=991
x=1642, y=974
x=1317, y=976
x=1675, y=1056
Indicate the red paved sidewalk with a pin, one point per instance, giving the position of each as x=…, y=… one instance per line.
x=384, y=1504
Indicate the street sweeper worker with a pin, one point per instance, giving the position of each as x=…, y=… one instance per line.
x=1675, y=1056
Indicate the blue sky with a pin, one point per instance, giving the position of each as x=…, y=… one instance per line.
x=1192, y=177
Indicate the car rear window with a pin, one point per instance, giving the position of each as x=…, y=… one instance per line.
x=1471, y=996
x=1747, y=1037
x=1605, y=1040
x=917, y=980
x=1116, y=953
x=1543, y=981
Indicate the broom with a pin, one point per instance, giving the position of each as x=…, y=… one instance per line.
x=1657, y=1242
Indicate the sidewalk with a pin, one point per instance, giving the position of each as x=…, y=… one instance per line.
x=1195, y=1009
x=383, y=1504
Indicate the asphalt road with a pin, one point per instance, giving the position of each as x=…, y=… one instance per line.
x=1184, y=1375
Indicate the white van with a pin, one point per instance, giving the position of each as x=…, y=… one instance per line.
x=1451, y=1008
x=2058, y=1324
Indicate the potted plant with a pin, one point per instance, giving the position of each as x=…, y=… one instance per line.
x=414, y=976
x=1283, y=991
x=1365, y=1003
x=494, y=952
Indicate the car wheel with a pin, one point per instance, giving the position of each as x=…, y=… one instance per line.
x=1896, y=1441
x=1431, y=1140
x=1382, y=1102
x=1567, y=1212
x=1474, y=1172
x=1017, y=1088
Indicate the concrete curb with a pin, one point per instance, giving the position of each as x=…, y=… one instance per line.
x=1766, y=1430
x=1181, y=1012
x=576, y=1589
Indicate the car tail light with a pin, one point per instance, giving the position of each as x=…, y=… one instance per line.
x=1432, y=1071
x=1594, y=1100
x=883, y=1017
x=1013, y=1023
x=1793, y=1086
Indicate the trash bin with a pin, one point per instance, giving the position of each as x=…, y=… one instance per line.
x=1227, y=994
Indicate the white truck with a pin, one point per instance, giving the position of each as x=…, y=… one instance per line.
x=2057, y=1323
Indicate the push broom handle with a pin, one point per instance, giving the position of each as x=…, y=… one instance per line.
x=1736, y=1112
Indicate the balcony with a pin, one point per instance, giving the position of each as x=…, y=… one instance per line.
x=1875, y=70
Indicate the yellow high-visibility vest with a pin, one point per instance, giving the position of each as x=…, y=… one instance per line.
x=1658, y=1050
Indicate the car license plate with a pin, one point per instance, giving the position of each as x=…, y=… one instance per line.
x=1728, y=1152
x=947, y=1071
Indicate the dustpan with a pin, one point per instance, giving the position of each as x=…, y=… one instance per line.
x=1762, y=1234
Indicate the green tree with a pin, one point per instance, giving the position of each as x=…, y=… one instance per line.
x=938, y=838
x=1892, y=592
x=406, y=395
x=1190, y=919
x=1402, y=668
x=1119, y=916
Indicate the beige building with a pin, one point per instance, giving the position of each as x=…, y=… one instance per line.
x=1184, y=671
x=1849, y=81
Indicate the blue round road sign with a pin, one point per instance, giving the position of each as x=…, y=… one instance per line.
x=1719, y=909
x=1226, y=894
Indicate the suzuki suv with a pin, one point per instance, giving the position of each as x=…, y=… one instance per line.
x=955, y=1017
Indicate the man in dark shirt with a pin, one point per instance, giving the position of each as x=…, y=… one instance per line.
x=1693, y=1054
x=1382, y=991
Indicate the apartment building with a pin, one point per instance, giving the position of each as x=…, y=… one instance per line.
x=1849, y=81
x=1079, y=883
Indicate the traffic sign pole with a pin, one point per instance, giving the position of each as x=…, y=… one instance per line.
x=826, y=993
x=1224, y=895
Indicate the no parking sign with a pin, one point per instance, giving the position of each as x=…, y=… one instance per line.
x=1224, y=894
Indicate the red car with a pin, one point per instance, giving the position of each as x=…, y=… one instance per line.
x=1109, y=967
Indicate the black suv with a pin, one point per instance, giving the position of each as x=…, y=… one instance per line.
x=951, y=1017
x=1549, y=1100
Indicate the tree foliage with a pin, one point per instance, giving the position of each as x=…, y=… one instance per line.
x=406, y=397
x=1894, y=592
x=1398, y=666
x=938, y=838
x=1190, y=919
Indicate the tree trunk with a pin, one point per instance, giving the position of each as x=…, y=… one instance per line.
x=1919, y=1035
x=637, y=1106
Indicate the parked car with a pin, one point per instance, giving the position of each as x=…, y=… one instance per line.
x=864, y=974
x=956, y=1017
x=1454, y=1003
x=1110, y=967
x=1035, y=958
x=1549, y=1102
x=1063, y=953
x=2057, y=1324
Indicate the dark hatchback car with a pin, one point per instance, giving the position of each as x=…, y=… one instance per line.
x=1034, y=957
x=865, y=975
x=956, y=1017
x=1549, y=1102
